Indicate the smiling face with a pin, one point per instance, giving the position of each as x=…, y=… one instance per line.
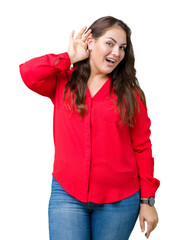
x=107, y=51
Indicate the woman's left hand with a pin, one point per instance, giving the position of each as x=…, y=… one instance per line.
x=148, y=214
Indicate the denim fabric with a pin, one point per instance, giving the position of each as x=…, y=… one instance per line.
x=71, y=219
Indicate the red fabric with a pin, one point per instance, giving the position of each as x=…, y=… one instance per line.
x=97, y=159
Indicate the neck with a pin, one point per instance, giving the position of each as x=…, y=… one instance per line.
x=96, y=75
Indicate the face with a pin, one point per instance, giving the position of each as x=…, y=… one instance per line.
x=107, y=51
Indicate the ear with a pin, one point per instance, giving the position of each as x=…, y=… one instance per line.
x=90, y=42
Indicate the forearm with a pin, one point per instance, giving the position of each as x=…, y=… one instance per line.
x=140, y=136
x=40, y=74
x=43, y=67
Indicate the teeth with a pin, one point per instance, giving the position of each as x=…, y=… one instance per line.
x=108, y=59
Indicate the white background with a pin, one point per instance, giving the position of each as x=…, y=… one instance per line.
x=36, y=27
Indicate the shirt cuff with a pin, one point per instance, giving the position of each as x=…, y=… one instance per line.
x=64, y=62
x=148, y=186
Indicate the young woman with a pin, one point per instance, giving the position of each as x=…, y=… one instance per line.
x=103, y=167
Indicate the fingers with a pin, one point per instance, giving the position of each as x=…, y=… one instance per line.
x=83, y=36
x=72, y=34
x=86, y=35
x=148, y=214
x=142, y=224
x=79, y=36
x=149, y=229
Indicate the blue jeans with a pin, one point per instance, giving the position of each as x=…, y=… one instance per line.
x=71, y=219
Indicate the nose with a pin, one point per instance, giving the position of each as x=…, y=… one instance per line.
x=116, y=51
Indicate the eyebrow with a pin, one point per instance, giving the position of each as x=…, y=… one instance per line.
x=116, y=41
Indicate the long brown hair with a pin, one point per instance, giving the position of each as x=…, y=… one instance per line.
x=123, y=77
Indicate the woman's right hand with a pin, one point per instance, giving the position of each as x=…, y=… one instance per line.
x=78, y=47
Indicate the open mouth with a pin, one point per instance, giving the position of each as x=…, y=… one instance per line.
x=110, y=61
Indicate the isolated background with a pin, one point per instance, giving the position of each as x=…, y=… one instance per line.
x=33, y=28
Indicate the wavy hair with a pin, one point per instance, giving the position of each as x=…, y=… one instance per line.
x=123, y=77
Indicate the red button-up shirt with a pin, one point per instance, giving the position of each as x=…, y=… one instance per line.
x=97, y=159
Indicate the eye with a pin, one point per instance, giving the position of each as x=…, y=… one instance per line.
x=109, y=44
x=123, y=48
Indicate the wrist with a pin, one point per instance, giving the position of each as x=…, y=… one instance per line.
x=71, y=58
x=150, y=201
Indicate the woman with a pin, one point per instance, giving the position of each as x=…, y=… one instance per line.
x=103, y=167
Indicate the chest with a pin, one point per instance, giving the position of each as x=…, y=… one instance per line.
x=94, y=87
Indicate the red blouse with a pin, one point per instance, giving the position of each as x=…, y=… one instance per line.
x=97, y=159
